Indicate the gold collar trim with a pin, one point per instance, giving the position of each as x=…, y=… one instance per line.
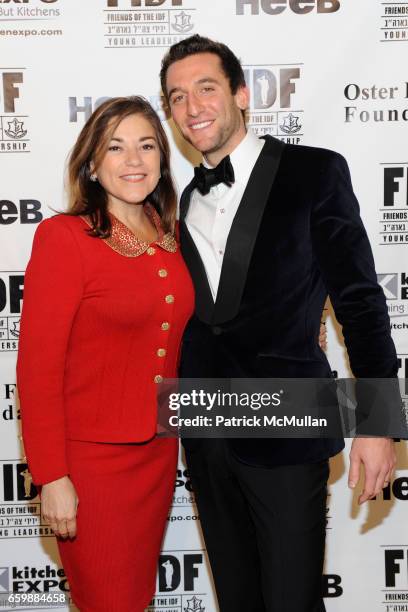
x=123, y=240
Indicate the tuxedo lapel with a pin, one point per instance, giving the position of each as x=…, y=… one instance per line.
x=204, y=303
x=244, y=231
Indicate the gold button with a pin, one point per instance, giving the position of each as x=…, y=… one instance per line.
x=165, y=326
x=151, y=251
x=161, y=352
x=162, y=273
x=169, y=299
x=158, y=379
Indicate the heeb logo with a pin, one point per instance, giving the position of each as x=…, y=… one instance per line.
x=25, y=211
x=82, y=108
x=332, y=585
x=277, y=7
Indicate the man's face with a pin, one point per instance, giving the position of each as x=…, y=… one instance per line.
x=203, y=106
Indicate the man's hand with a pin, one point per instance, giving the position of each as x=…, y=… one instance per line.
x=59, y=504
x=379, y=459
x=323, y=336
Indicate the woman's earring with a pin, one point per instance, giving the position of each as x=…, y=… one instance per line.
x=93, y=178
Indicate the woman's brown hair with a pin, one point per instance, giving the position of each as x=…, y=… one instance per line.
x=86, y=197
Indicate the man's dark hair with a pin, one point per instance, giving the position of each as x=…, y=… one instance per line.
x=230, y=64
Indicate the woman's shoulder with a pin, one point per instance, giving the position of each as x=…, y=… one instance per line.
x=62, y=220
x=59, y=231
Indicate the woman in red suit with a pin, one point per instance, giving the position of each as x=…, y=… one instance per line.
x=106, y=281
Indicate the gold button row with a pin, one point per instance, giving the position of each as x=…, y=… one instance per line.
x=161, y=352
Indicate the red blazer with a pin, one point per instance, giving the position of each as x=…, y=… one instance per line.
x=102, y=321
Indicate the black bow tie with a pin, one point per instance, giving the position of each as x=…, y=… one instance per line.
x=205, y=178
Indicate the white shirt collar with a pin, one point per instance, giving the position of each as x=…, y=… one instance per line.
x=244, y=156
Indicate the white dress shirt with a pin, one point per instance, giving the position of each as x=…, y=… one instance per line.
x=210, y=216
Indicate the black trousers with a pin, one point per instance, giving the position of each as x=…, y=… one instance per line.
x=264, y=530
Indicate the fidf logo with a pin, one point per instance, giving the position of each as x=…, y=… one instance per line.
x=403, y=373
x=137, y=3
x=13, y=132
x=11, y=295
x=396, y=186
x=194, y=605
x=272, y=101
x=17, y=483
x=157, y=24
x=396, y=567
x=271, y=85
x=276, y=7
x=394, y=205
x=179, y=571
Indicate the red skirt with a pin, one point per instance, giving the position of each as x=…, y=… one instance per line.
x=124, y=492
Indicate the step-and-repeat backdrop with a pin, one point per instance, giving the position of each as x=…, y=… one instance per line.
x=330, y=73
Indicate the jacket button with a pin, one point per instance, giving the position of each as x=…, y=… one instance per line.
x=165, y=325
x=162, y=273
x=151, y=251
x=169, y=299
x=158, y=379
x=161, y=352
x=217, y=330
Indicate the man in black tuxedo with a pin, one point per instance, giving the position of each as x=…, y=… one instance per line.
x=267, y=231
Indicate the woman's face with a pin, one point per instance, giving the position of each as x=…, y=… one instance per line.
x=130, y=168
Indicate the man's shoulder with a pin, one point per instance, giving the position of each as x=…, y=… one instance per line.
x=308, y=155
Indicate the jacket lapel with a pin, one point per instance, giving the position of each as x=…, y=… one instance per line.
x=244, y=231
x=204, y=303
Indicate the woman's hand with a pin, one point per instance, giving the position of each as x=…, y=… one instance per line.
x=59, y=503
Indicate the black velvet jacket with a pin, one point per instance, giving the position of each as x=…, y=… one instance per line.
x=297, y=237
